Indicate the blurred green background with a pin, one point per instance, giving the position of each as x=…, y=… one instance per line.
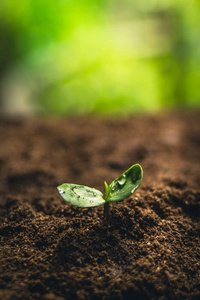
x=99, y=56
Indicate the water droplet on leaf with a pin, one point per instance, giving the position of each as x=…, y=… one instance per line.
x=122, y=180
x=114, y=187
x=133, y=190
x=61, y=191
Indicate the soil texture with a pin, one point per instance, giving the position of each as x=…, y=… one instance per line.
x=150, y=248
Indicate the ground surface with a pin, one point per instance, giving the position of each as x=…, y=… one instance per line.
x=151, y=247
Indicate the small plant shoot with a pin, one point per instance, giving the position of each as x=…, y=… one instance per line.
x=121, y=188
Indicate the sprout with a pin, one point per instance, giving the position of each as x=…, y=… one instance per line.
x=121, y=188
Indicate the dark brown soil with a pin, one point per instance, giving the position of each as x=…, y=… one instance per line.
x=151, y=246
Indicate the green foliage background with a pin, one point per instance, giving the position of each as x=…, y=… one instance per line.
x=101, y=56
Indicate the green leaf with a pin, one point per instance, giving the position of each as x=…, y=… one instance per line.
x=80, y=195
x=122, y=187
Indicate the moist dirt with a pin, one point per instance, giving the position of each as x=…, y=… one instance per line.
x=149, y=249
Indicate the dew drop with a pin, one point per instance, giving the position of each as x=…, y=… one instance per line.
x=133, y=190
x=61, y=191
x=113, y=188
x=122, y=180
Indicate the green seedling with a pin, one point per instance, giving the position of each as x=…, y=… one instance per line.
x=121, y=188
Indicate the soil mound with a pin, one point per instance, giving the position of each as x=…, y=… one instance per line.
x=150, y=248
